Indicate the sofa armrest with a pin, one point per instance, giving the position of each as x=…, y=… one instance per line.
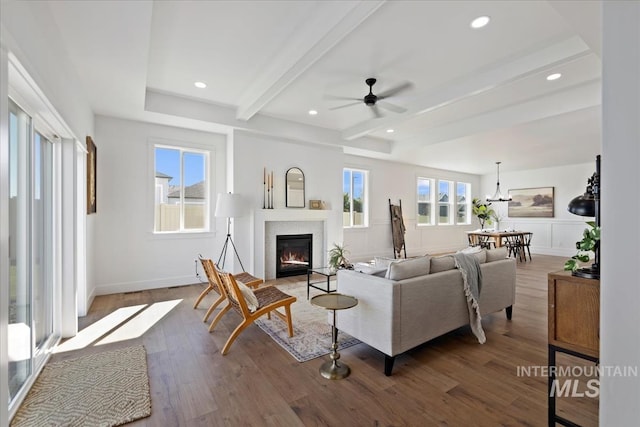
x=376, y=318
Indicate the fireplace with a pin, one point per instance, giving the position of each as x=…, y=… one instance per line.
x=293, y=254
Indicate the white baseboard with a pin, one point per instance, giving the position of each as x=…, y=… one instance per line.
x=116, y=288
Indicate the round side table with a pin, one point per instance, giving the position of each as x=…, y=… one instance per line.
x=331, y=369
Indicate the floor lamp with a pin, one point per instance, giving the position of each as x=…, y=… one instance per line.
x=229, y=206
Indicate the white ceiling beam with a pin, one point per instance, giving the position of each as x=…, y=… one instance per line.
x=331, y=22
x=574, y=98
x=223, y=117
x=585, y=18
x=502, y=73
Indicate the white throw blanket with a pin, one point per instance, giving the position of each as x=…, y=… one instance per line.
x=472, y=281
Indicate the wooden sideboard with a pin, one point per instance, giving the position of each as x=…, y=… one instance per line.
x=574, y=324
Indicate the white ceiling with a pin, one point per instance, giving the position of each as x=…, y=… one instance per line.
x=477, y=96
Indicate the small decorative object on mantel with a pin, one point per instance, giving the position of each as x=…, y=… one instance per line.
x=267, y=189
x=316, y=204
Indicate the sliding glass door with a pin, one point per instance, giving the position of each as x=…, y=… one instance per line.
x=30, y=248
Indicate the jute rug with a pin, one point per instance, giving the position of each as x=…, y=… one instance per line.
x=103, y=389
x=311, y=331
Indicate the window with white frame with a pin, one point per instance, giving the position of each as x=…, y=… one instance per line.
x=463, y=203
x=425, y=201
x=445, y=202
x=354, y=188
x=181, y=190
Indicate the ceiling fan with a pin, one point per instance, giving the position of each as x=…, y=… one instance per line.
x=373, y=101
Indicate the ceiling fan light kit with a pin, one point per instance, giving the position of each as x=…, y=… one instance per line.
x=497, y=196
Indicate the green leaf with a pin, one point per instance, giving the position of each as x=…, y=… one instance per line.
x=571, y=265
x=582, y=257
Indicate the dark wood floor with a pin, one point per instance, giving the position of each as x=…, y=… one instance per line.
x=450, y=381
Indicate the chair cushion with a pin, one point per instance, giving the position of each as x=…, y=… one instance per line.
x=249, y=297
x=407, y=268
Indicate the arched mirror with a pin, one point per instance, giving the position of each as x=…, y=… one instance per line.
x=295, y=188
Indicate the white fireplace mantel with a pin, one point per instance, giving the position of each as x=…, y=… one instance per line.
x=295, y=216
x=263, y=215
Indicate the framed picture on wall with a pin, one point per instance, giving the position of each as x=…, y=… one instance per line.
x=91, y=176
x=531, y=202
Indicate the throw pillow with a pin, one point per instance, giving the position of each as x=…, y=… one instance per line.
x=408, y=268
x=476, y=251
x=497, y=254
x=442, y=263
x=383, y=262
x=367, y=268
x=249, y=297
x=471, y=250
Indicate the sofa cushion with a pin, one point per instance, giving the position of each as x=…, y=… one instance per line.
x=497, y=254
x=441, y=263
x=407, y=268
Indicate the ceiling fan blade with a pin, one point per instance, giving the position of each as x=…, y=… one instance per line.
x=392, y=107
x=376, y=111
x=342, y=98
x=346, y=105
x=395, y=90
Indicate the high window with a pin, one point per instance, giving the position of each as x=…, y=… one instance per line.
x=425, y=201
x=463, y=203
x=445, y=202
x=354, y=188
x=181, y=190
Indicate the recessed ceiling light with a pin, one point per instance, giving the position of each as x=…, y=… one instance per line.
x=390, y=131
x=313, y=112
x=554, y=76
x=200, y=85
x=480, y=22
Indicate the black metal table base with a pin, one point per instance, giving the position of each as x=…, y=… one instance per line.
x=553, y=418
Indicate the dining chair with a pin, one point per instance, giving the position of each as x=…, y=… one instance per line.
x=514, y=245
x=252, y=304
x=526, y=244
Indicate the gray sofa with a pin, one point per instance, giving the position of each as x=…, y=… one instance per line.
x=419, y=301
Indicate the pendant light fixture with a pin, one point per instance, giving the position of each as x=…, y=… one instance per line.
x=497, y=196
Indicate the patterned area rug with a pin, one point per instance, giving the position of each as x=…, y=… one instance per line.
x=103, y=389
x=311, y=331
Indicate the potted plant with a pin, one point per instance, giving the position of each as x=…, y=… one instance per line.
x=338, y=257
x=590, y=240
x=483, y=212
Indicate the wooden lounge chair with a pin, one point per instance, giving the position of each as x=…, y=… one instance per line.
x=269, y=298
x=215, y=282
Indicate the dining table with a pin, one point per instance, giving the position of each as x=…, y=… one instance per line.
x=478, y=236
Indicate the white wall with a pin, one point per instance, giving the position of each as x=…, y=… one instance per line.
x=398, y=181
x=619, y=284
x=128, y=255
x=551, y=236
x=322, y=167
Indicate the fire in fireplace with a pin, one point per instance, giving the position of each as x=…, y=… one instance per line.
x=293, y=254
